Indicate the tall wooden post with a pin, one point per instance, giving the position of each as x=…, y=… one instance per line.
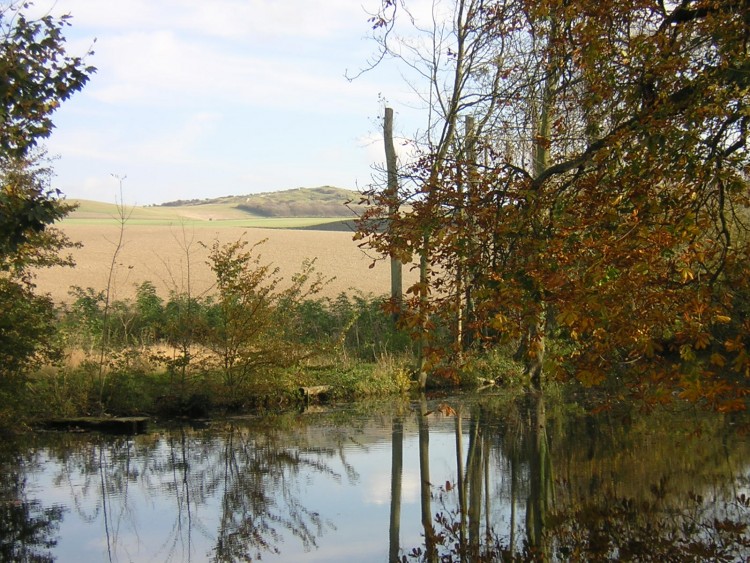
x=392, y=192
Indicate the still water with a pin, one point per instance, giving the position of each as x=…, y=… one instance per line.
x=452, y=479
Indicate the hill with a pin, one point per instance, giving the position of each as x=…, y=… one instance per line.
x=326, y=208
x=324, y=201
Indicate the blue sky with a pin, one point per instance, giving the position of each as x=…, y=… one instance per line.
x=198, y=99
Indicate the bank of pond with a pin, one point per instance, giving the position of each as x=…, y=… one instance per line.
x=491, y=476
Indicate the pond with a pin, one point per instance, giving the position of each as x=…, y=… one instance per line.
x=452, y=479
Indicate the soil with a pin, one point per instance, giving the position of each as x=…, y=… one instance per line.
x=172, y=259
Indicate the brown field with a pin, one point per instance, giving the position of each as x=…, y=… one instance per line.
x=165, y=254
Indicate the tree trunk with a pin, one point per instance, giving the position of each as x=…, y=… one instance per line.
x=471, y=187
x=536, y=318
x=462, y=289
x=423, y=341
x=535, y=353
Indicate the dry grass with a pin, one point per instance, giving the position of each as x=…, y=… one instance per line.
x=170, y=256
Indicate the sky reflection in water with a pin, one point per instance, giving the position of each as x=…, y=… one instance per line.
x=317, y=486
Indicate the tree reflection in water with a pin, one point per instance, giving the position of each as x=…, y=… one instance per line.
x=611, y=487
x=253, y=473
x=255, y=477
x=477, y=479
x=29, y=530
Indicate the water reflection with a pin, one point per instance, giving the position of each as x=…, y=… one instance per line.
x=28, y=528
x=397, y=465
x=618, y=486
x=451, y=480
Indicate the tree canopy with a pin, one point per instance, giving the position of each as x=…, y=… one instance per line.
x=36, y=75
x=596, y=190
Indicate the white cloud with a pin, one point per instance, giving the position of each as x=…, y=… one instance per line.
x=239, y=19
x=205, y=98
x=378, y=489
x=160, y=67
x=312, y=19
x=178, y=145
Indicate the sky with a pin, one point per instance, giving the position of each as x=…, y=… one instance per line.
x=201, y=99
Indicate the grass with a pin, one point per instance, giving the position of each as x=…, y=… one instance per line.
x=135, y=385
x=169, y=247
x=250, y=223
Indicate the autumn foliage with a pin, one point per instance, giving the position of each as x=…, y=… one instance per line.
x=601, y=197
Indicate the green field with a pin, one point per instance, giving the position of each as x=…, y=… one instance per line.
x=213, y=215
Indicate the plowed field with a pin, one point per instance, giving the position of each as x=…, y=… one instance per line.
x=172, y=256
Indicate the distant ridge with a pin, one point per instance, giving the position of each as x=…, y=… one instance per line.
x=323, y=201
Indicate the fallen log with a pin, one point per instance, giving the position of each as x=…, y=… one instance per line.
x=110, y=425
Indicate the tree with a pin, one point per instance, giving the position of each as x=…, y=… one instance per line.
x=457, y=61
x=461, y=62
x=252, y=317
x=150, y=313
x=36, y=75
x=609, y=196
x=26, y=327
